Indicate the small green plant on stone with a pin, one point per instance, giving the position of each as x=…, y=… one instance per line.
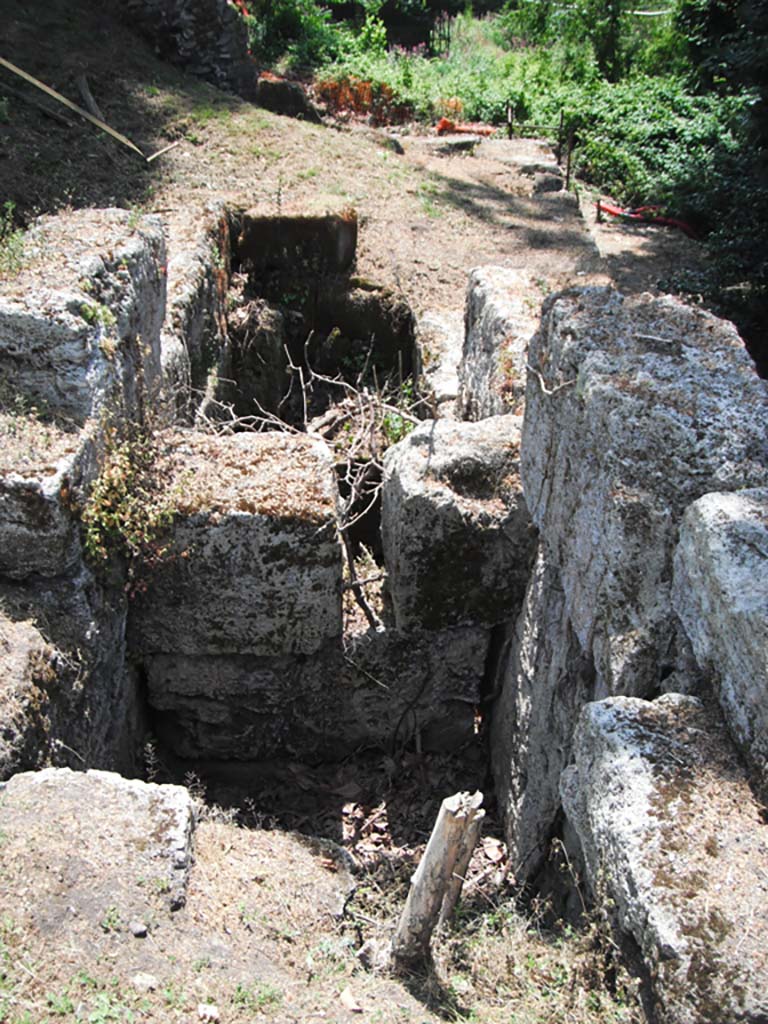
x=394, y=425
x=96, y=314
x=130, y=507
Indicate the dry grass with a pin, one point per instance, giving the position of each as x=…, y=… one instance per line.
x=31, y=442
x=261, y=938
x=284, y=476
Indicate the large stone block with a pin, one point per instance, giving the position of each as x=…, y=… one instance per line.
x=545, y=680
x=720, y=592
x=458, y=540
x=96, y=847
x=27, y=669
x=380, y=690
x=42, y=467
x=501, y=316
x=440, y=340
x=676, y=842
x=638, y=406
x=254, y=562
x=80, y=325
x=93, y=710
x=194, y=338
x=319, y=244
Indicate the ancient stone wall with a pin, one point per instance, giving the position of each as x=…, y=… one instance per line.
x=644, y=461
x=207, y=37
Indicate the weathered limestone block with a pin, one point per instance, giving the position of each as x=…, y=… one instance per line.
x=458, y=541
x=41, y=467
x=500, y=319
x=671, y=832
x=258, y=339
x=358, y=318
x=322, y=244
x=545, y=680
x=638, y=406
x=440, y=340
x=254, y=561
x=194, y=333
x=80, y=326
x=720, y=592
x=96, y=847
x=27, y=669
x=380, y=690
x=94, y=708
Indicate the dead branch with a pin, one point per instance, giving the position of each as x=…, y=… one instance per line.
x=437, y=882
x=88, y=100
x=543, y=386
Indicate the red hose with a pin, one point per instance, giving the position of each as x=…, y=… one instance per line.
x=647, y=215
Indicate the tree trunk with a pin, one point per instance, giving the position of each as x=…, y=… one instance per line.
x=437, y=881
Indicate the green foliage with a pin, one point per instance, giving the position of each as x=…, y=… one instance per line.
x=257, y=997
x=684, y=126
x=396, y=425
x=95, y=314
x=12, y=253
x=130, y=507
x=297, y=31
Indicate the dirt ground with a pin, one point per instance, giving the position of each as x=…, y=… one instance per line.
x=426, y=218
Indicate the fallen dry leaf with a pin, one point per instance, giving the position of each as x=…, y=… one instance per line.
x=349, y=1002
x=493, y=849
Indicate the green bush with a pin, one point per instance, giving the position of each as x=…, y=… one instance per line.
x=298, y=32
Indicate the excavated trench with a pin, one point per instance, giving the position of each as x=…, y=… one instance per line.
x=310, y=347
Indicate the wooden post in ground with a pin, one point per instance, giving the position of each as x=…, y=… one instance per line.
x=437, y=881
x=559, y=151
x=568, y=159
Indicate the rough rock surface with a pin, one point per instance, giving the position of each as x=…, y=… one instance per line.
x=258, y=338
x=545, y=680
x=499, y=322
x=358, y=318
x=254, y=562
x=82, y=331
x=720, y=592
x=94, y=710
x=194, y=332
x=671, y=832
x=27, y=669
x=638, y=407
x=207, y=37
x=440, y=340
x=458, y=541
x=100, y=848
x=379, y=690
x=41, y=468
x=323, y=244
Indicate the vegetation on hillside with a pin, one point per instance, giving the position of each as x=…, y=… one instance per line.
x=668, y=105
